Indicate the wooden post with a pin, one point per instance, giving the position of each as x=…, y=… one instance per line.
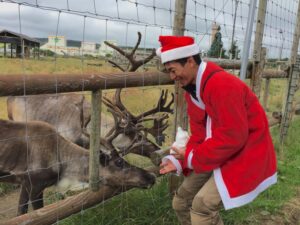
x=4, y=50
x=287, y=110
x=180, y=104
x=266, y=93
x=257, y=73
x=178, y=30
x=22, y=48
x=258, y=54
x=288, y=107
x=95, y=140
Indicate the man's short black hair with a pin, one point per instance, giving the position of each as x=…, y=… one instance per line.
x=183, y=61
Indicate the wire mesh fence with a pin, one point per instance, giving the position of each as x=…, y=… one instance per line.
x=71, y=36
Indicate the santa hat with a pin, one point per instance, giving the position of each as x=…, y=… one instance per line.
x=173, y=47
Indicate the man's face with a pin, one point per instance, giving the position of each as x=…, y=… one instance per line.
x=184, y=74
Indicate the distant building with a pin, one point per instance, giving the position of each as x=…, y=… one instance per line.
x=105, y=50
x=56, y=44
x=89, y=48
x=58, y=41
x=15, y=44
x=61, y=46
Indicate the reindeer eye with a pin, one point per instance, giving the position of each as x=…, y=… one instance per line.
x=140, y=137
x=119, y=163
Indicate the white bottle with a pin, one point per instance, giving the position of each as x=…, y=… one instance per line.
x=181, y=139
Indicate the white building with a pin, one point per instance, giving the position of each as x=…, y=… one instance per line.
x=88, y=48
x=105, y=50
x=57, y=44
x=60, y=46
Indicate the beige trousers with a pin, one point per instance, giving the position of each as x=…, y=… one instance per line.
x=197, y=201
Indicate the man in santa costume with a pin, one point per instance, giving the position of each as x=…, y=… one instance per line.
x=229, y=158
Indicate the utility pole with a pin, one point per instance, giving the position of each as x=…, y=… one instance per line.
x=247, y=41
x=180, y=103
x=233, y=30
x=281, y=47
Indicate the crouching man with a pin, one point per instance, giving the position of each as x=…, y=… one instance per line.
x=229, y=158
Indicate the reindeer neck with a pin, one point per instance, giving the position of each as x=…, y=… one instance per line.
x=70, y=151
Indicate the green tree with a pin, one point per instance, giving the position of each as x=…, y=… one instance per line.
x=234, y=50
x=216, y=49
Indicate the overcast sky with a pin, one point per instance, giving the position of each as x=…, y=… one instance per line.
x=98, y=20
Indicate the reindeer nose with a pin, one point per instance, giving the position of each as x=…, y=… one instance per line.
x=151, y=178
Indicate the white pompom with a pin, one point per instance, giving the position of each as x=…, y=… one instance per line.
x=181, y=139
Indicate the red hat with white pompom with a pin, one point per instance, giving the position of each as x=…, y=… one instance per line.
x=173, y=47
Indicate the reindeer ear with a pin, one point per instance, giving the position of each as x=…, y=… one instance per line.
x=103, y=159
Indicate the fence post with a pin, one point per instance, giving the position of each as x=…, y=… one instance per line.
x=266, y=93
x=95, y=140
x=258, y=53
x=178, y=30
x=294, y=65
x=256, y=77
x=288, y=107
x=180, y=104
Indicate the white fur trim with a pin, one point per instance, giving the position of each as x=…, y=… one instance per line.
x=208, y=128
x=229, y=202
x=178, y=53
x=174, y=161
x=201, y=70
x=189, y=161
x=158, y=52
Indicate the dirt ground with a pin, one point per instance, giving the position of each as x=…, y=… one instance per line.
x=8, y=205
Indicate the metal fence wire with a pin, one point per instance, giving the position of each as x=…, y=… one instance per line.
x=72, y=35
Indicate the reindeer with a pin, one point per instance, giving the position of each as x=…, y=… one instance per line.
x=35, y=156
x=70, y=114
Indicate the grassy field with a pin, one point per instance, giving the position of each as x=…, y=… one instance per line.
x=145, y=207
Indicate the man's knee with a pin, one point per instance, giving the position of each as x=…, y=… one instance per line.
x=182, y=200
x=179, y=203
x=205, y=205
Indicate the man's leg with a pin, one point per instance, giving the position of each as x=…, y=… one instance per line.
x=182, y=201
x=206, y=205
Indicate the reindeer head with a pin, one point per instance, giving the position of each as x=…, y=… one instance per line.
x=115, y=171
x=129, y=133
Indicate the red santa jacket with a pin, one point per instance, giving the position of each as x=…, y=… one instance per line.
x=229, y=136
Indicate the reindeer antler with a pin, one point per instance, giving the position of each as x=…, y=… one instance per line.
x=160, y=107
x=135, y=64
x=160, y=124
x=125, y=121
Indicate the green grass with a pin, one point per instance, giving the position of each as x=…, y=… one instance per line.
x=135, y=207
x=5, y=188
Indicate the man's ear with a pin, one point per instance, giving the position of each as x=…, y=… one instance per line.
x=191, y=61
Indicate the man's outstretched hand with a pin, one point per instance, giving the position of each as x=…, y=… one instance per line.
x=167, y=167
